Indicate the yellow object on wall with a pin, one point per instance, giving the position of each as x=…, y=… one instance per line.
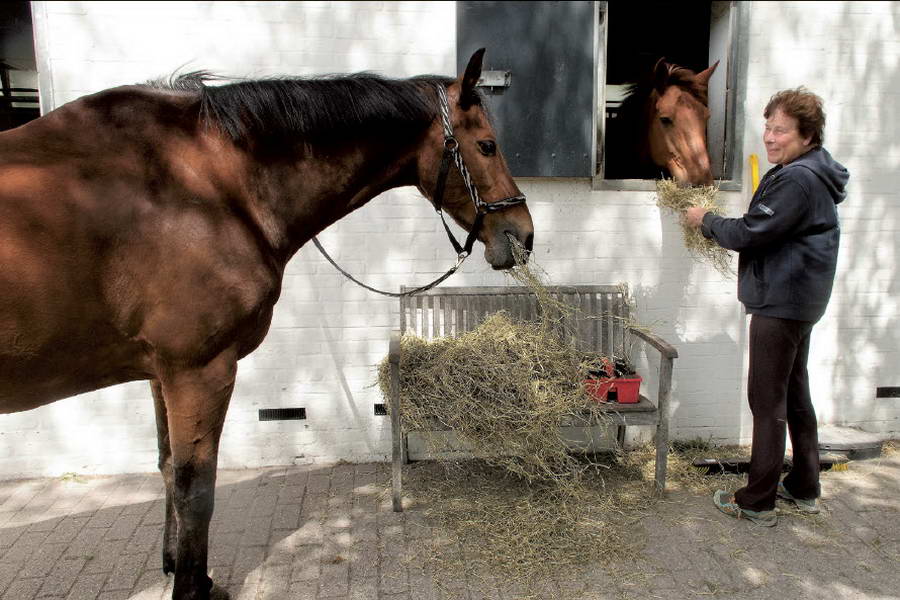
x=754, y=171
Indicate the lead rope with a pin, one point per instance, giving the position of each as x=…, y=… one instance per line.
x=451, y=149
x=459, y=262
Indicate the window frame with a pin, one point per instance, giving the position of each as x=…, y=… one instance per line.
x=735, y=94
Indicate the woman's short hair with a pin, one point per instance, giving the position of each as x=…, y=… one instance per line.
x=804, y=106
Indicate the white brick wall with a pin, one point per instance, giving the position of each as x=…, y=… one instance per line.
x=327, y=334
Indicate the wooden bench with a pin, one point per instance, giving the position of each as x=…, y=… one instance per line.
x=452, y=311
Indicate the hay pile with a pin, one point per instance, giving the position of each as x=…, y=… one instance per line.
x=527, y=508
x=506, y=387
x=678, y=200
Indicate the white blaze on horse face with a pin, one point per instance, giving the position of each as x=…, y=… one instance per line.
x=681, y=123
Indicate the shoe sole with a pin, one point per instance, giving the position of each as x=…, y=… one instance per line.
x=760, y=522
x=814, y=510
x=800, y=508
x=743, y=515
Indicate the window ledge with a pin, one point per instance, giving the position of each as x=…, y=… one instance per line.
x=647, y=185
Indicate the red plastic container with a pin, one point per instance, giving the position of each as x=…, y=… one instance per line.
x=627, y=389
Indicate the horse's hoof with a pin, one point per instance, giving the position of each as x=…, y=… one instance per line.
x=217, y=593
x=168, y=563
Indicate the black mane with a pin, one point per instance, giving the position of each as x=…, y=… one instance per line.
x=319, y=110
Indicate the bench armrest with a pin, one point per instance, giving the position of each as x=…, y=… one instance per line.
x=665, y=348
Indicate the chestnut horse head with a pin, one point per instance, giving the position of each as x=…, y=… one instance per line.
x=662, y=127
x=678, y=108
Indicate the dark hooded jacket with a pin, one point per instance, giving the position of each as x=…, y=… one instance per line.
x=788, y=240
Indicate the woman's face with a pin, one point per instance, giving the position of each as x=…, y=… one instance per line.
x=782, y=139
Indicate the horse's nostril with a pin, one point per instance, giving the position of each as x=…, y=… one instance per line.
x=529, y=242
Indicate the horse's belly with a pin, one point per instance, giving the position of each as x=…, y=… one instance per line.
x=46, y=355
x=20, y=394
x=80, y=364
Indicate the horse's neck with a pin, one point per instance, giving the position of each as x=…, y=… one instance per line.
x=309, y=195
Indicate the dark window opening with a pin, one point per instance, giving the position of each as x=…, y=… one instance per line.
x=634, y=36
x=19, y=101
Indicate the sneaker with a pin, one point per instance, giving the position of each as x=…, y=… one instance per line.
x=725, y=502
x=805, y=506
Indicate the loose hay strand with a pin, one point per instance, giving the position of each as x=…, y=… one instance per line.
x=678, y=199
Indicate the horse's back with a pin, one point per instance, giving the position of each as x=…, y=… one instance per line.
x=103, y=237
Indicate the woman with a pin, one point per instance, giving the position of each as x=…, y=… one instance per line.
x=788, y=245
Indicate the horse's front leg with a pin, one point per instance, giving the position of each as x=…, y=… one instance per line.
x=165, y=468
x=196, y=400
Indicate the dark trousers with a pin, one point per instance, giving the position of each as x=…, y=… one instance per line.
x=778, y=390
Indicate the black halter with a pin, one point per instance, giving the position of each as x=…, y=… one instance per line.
x=451, y=153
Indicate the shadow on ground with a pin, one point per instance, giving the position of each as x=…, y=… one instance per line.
x=328, y=532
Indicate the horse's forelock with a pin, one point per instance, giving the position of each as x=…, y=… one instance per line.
x=687, y=80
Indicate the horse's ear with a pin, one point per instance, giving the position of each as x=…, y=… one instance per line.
x=468, y=95
x=661, y=75
x=703, y=76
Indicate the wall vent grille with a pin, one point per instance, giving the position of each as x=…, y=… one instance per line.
x=282, y=414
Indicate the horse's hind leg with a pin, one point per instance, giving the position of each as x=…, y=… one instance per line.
x=196, y=400
x=165, y=467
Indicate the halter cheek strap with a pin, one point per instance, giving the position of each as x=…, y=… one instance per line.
x=452, y=153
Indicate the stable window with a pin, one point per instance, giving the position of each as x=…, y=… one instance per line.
x=633, y=36
x=19, y=101
x=555, y=73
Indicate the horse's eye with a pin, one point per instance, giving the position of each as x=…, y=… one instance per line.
x=665, y=121
x=488, y=148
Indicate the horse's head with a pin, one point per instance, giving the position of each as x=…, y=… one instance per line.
x=476, y=141
x=678, y=122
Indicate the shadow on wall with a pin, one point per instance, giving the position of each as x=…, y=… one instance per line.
x=862, y=92
x=706, y=401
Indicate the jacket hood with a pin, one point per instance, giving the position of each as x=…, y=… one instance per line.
x=833, y=174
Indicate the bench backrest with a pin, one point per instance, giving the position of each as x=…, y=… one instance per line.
x=452, y=311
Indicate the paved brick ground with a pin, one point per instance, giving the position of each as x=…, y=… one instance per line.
x=327, y=532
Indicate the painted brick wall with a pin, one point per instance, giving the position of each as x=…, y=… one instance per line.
x=328, y=335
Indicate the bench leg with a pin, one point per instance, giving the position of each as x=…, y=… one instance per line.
x=662, y=427
x=396, y=433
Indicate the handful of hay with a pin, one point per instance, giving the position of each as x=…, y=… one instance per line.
x=678, y=200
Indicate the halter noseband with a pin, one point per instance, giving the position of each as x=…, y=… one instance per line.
x=451, y=151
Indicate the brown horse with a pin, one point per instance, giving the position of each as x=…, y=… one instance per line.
x=144, y=232
x=660, y=129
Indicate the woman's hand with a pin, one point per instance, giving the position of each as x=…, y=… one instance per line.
x=693, y=216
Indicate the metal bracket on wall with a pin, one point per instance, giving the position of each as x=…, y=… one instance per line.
x=495, y=79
